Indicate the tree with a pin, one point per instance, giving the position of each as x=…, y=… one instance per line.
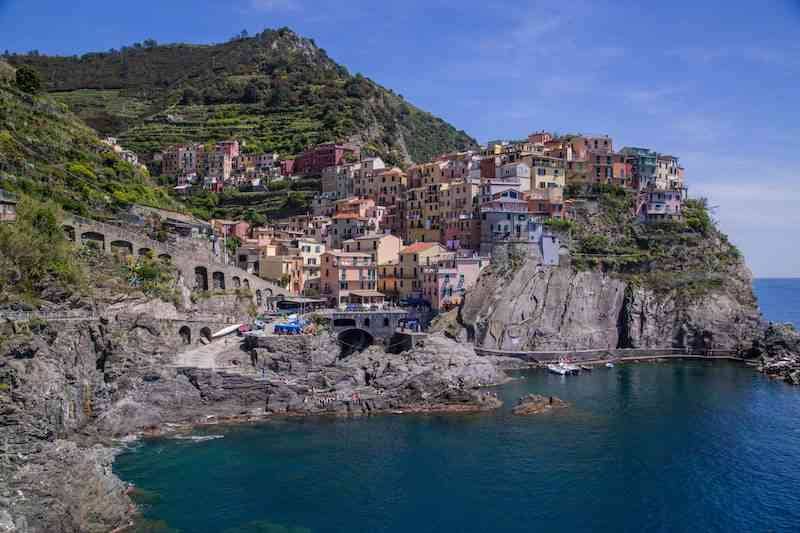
x=34, y=251
x=232, y=243
x=150, y=43
x=254, y=219
x=28, y=80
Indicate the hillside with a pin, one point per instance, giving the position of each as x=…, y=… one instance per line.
x=48, y=153
x=276, y=90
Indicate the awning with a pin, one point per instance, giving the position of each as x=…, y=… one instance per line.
x=367, y=294
x=301, y=300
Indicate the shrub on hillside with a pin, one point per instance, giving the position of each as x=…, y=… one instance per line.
x=34, y=252
x=28, y=80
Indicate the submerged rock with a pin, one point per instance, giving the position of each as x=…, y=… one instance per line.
x=534, y=404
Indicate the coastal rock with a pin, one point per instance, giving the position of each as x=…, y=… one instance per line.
x=534, y=404
x=542, y=308
x=66, y=487
x=778, y=353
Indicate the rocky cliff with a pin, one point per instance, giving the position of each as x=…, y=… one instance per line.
x=626, y=284
x=539, y=308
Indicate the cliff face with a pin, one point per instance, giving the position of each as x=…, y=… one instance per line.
x=539, y=308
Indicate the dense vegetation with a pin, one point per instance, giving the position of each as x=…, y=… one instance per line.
x=47, y=153
x=690, y=255
x=39, y=263
x=35, y=254
x=277, y=91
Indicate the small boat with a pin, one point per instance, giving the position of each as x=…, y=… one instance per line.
x=557, y=369
x=563, y=368
x=226, y=331
x=586, y=368
x=609, y=365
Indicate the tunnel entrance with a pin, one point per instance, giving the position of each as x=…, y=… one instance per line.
x=354, y=340
x=186, y=335
x=205, y=335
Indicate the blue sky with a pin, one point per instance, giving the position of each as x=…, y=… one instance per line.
x=713, y=82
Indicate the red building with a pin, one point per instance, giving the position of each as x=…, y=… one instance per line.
x=313, y=160
x=287, y=167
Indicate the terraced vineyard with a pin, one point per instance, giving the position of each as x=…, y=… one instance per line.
x=275, y=91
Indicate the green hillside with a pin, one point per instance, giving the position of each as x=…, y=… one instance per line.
x=48, y=153
x=276, y=90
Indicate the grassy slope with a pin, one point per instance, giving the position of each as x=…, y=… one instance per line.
x=690, y=257
x=47, y=153
x=275, y=90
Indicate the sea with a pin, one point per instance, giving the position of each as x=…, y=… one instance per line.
x=667, y=447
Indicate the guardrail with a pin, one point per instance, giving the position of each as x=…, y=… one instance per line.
x=26, y=316
x=609, y=353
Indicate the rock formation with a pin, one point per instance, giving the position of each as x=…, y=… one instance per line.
x=534, y=404
x=539, y=308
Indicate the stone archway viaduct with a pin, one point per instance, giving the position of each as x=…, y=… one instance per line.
x=200, y=269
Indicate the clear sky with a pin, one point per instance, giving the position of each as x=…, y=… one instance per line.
x=714, y=82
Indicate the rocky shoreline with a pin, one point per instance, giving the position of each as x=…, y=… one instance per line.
x=77, y=390
x=73, y=390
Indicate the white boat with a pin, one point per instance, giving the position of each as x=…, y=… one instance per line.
x=609, y=365
x=563, y=368
x=226, y=331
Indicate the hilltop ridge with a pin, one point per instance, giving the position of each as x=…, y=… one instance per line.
x=276, y=90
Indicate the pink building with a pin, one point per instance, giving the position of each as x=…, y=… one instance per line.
x=444, y=284
x=349, y=277
x=231, y=228
x=540, y=137
x=661, y=205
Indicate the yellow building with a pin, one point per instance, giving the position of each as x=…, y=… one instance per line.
x=285, y=270
x=546, y=172
x=382, y=248
x=413, y=259
x=387, y=279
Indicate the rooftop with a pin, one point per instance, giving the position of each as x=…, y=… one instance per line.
x=419, y=247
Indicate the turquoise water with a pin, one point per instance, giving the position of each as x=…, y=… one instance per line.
x=666, y=447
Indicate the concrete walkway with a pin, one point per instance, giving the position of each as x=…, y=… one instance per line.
x=205, y=356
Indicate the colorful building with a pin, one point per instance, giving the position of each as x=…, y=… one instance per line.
x=348, y=276
x=412, y=260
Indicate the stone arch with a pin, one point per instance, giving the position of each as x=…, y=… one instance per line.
x=205, y=333
x=237, y=282
x=92, y=238
x=123, y=247
x=145, y=251
x=201, y=278
x=186, y=334
x=354, y=340
x=69, y=231
x=219, y=280
x=246, y=283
